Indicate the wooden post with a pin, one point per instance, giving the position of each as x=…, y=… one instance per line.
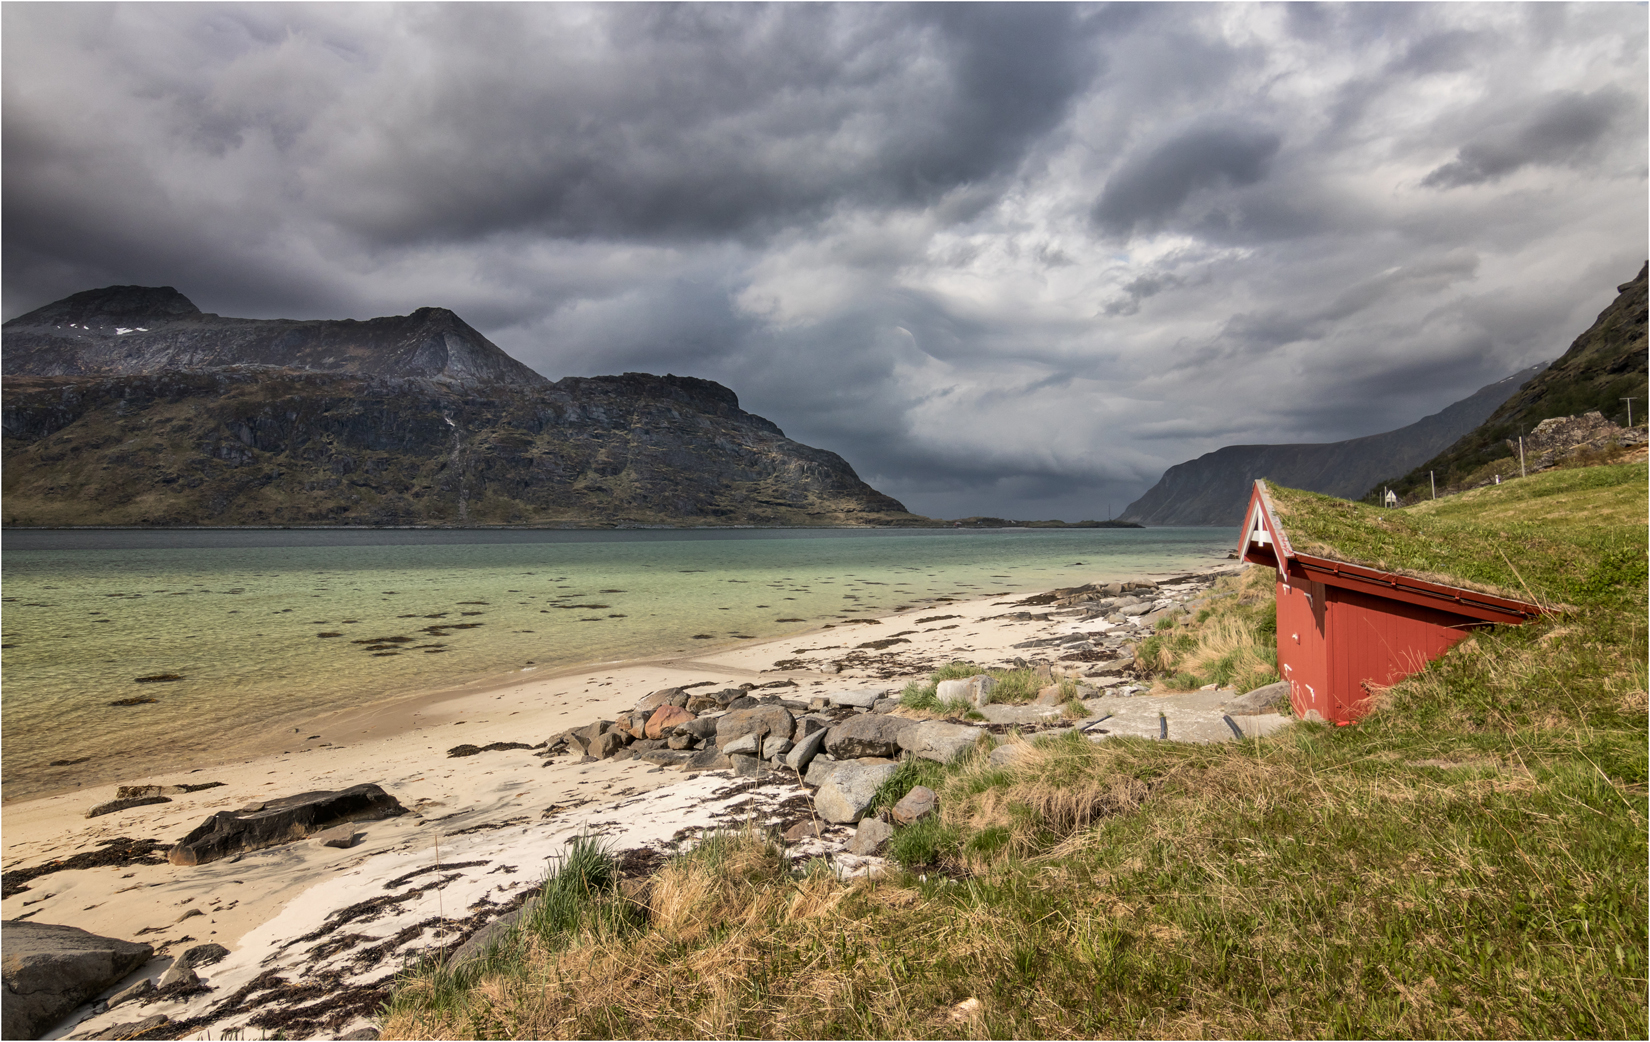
x=1521, y=472
x=1434, y=479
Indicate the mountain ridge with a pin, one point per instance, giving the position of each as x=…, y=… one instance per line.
x=415, y=419
x=1213, y=488
x=85, y=334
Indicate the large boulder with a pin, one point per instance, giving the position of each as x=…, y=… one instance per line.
x=1261, y=700
x=764, y=720
x=49, y=970
x=848, y=792
x=868, y=735
x=665, y=718
x=938, y=740
x=281, y=821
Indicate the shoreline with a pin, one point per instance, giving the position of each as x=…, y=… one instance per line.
x=460, y=808
x=387, y=712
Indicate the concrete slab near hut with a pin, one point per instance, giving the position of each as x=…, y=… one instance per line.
x=1195, y=716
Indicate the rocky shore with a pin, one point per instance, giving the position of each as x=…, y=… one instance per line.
x=281, y=896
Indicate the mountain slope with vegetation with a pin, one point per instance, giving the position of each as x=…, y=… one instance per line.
x=1604, y=365
x=1213, y=489
x=1467, y=861
x=411, y=420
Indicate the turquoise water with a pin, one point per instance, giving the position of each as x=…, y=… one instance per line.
x=265, y=628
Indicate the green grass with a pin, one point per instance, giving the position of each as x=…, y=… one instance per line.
x=1468, y=861
x=1228, y=637
x=1013, y=686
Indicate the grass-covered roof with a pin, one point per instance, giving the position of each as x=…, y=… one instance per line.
x=1554, y=538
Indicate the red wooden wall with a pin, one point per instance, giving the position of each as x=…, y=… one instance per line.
x=1332, y=641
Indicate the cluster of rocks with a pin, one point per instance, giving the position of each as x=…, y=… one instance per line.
x=1557, y=439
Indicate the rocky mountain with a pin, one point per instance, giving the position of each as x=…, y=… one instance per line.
x=1214, y=488
x=131, y=330
x=1603, y=366
x=127, y=406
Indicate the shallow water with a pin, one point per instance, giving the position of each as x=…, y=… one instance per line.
x=266, y=628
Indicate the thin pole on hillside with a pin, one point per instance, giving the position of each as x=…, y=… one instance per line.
x=1432, y=477
x=1629, y=402
x=1521, y=472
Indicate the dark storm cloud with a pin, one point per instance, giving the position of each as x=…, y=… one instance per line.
x=1005, y=259
x=1561, y=130
x=1151, y=187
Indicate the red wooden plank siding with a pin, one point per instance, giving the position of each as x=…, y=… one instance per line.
x=1346, y=630
x=1378, y=642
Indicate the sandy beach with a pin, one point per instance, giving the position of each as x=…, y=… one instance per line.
x=481, y=829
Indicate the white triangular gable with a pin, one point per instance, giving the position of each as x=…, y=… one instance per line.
x=1257, y=532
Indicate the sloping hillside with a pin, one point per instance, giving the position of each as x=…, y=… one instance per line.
x=1213, y=489
x=1605, y=364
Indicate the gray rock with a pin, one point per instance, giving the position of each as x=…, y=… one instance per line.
x=368, y=1034
x=868, y=735
x=341, y=836
x=803, y=830
x=607, y=743
x=819, y=771
x=1261, y=700
x=681, y=741
x=709, y=758
x=703, y=727
x=141, y=989
x=938, y=740
x=745, y=766
x=870, y=837
x=848, y=792
x=766, y=720
x=180, y=972
x=802, y=753
x=203, y=955
x=48, y=970
x=975, y=689
x=1007, y=753
x=998, y=714
x=886, y=705
x=491, y=935
x=917, y=804
x=126, y=804
x=588, y=734
x=861, y=698
x=664, y=757
x=281, y=821
x=746, y=743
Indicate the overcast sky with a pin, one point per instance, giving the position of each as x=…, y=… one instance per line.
x=1006, y=260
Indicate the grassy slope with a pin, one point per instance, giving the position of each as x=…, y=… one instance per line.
x=1468, y=861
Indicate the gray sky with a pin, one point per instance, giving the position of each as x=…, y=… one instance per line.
x=1006, y=260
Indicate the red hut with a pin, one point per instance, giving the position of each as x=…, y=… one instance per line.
x=1344, y=628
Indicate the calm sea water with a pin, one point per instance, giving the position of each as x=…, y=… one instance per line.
x=268, y=627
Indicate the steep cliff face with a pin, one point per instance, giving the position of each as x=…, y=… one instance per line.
x=1214, y=488
x=397, y=421
x=127, y=330
x=1603, y=366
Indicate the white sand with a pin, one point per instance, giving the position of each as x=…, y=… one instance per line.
x=519, y=810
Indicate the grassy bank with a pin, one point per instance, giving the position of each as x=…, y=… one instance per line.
x=1468, y=861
